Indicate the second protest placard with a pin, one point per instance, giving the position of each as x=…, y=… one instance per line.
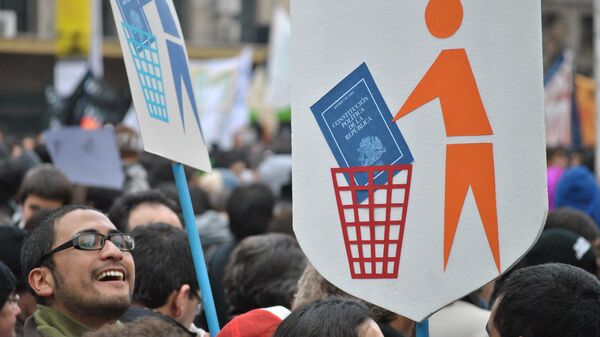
x=418, y=144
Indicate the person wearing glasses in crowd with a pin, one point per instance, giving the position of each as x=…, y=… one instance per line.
x=81, y=271
x=9, y=307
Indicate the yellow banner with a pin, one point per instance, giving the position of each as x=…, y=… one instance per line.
x=73, y=27
x=586, y=104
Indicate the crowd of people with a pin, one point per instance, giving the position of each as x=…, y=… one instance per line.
x=89, y=261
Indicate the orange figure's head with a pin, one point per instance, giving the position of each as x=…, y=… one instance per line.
x=443, y=17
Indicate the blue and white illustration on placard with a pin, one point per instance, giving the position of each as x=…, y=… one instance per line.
x=133, y=16
x=147, y=66
x=144, y=50
x=158, y=71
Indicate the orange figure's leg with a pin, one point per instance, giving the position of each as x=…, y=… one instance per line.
x=471, y=165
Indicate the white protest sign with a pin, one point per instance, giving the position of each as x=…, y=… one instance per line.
x=415, y=213
x=87, y=157
x=558, y=100
x=221, y=87
x=157, y=68
x=278, y=66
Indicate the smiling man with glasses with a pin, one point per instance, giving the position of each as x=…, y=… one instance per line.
x=81, y=271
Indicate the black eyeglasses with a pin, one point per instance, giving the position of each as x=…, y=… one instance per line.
x=95, y=241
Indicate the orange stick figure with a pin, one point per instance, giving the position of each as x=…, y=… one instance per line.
x=450, y=78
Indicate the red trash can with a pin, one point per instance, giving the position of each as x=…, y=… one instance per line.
x=373, y=217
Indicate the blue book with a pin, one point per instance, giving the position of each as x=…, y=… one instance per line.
x=358, y=127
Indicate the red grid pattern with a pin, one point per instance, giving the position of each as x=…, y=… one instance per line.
x=373, y=230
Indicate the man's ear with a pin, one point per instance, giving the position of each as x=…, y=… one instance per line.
x=41, y=281
x=182, y=296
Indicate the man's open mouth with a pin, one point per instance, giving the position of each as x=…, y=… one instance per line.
x=110, y=275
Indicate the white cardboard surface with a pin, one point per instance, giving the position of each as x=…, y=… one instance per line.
x=167, y=139
x=503, y=42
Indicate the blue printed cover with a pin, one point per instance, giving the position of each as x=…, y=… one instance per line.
x=358, y=127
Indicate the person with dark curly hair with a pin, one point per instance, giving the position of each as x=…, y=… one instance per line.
x=165, y=280
x=250, y=210
x=43, y=187
x=312, y=287
x=331, y=317
x=263, y=271
x=132, y=210
x=548, y=300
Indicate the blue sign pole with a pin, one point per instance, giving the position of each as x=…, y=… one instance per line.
x=196, y=247
x=423, y=328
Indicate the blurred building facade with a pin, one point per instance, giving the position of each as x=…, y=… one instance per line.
x=566, y=23
x=28, y=48
x=28, y=29
x=203, y=21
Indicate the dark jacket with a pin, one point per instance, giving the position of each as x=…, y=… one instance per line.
x=216, y=274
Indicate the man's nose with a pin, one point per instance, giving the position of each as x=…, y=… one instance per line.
x=111, y=251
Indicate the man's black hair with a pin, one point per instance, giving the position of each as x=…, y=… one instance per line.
x=163, y=263
x=586, y=155
x=37, y=218
x=40, y=240
x=101, y=198
x=169, y=190
x=573, y=220
x=11, y=241
x=250, y=210
x=42, y=152
x=47, y=182
x=8, y=283
x=160, y=171
x=263, y=271
x=549, y=300
x=200, y=200
x=332, y=317
x=556, y=151
x=11, y=175
x=120, y=210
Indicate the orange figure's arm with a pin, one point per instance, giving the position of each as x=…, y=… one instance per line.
x=423, y=93
x=451, y=79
